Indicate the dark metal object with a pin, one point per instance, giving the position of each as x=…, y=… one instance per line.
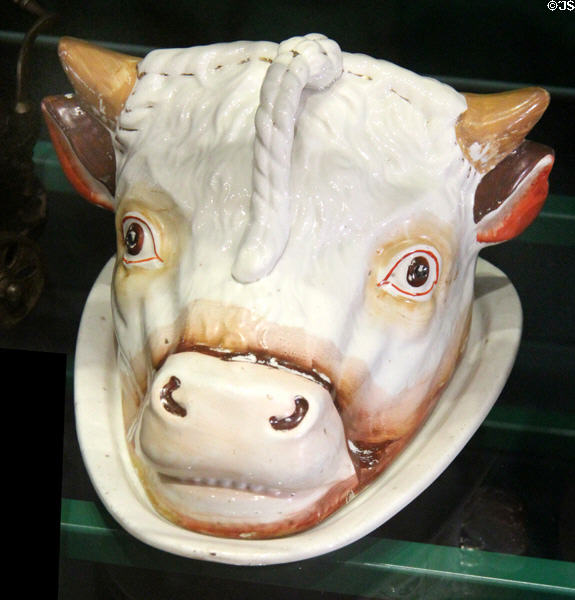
x=23, y=200
x=21, y=278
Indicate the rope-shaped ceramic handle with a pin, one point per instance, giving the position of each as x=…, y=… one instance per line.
x=312, y=62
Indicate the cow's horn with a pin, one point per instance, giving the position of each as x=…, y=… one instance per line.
x=495, y=124
x=101, y=77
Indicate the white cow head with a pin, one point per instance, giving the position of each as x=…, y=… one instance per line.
x=297, y=235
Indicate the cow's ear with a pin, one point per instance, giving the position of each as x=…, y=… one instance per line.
x=84, y=147
x=491, y=134
x=510, y=196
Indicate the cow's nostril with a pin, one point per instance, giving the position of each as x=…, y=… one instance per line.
x=293, y=420
x=166, y=397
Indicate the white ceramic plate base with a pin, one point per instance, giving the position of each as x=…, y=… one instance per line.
x=476, y=384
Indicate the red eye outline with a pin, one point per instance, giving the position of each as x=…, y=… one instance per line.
x=385, y=281
x=147, y=231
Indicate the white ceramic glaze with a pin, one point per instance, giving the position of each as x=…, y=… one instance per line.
x=476, y=384
x=298, y=231
x=280, y=232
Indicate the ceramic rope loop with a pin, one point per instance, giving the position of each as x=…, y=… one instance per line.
x=313, y=62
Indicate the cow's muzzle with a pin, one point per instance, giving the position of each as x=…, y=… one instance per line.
x=242, y=425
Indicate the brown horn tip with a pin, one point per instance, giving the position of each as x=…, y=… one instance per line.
x=495, y=124
x=101, y=77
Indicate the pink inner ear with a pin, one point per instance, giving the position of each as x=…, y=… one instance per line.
x=511, y=196
x=84, y=148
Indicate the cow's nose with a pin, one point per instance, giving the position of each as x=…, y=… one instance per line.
x=195, y=390
x=293, y=420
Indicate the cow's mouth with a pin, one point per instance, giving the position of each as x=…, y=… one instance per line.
x=233, y=485
x=225, y=508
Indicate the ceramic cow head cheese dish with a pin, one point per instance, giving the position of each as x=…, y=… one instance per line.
x=298, y=230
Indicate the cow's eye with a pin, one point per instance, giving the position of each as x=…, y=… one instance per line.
x=412, y=274
x=139, y=242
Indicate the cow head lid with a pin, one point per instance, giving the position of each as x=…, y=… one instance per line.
x=297, y=236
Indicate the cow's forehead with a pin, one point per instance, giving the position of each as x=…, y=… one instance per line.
x=188, y=127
